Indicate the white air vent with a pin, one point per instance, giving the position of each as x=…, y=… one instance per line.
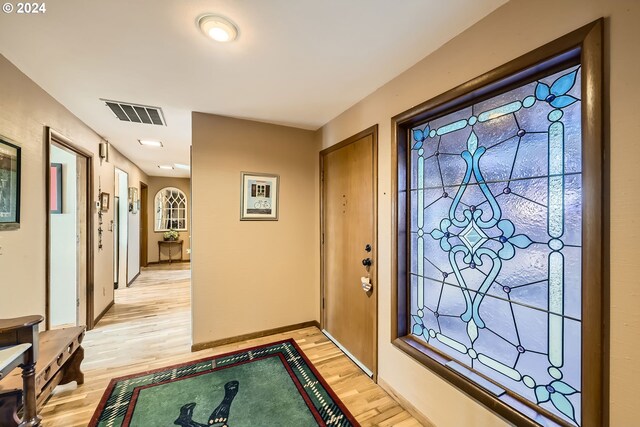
x=136, y=113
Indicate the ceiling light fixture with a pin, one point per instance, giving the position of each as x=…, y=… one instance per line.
x=181, y=166
x=218, y=28
x=168, y=167
x=150, y=143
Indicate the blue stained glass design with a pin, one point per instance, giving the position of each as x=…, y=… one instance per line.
x=495, y=239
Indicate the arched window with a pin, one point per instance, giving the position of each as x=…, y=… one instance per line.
x=171, y=210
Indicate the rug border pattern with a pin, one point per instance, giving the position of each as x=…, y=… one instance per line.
x=335, y=413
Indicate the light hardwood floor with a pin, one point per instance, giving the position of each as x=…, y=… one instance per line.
x=149, y=327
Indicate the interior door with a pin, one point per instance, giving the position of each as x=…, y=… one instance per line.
x=349, y=246
x=116, y=240
x=144, y=225
x=63, y=234
x=81, y=239
x=69, y=249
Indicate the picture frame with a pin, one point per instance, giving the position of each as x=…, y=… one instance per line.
x=259, y=196
x=133, y=200
x=104, y=202
x=55, y=188
x=10, y=166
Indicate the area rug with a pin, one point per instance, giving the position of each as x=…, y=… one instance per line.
x=269, y=385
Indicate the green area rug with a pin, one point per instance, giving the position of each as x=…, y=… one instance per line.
x=270, y=385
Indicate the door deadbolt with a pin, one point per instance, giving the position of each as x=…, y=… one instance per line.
x=367, y=248
x=366, y=262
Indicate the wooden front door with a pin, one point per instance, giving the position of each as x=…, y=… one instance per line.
x=348, y=243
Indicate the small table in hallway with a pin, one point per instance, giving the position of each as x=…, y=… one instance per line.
x=170, y=244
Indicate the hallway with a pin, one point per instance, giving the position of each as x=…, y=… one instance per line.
x=149, y=327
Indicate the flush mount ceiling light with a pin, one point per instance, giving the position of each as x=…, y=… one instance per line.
x=168, y=167
x=181, y=166
x=218, y=28
x=150, y=143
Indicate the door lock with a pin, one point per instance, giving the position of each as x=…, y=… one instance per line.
x=366, y=262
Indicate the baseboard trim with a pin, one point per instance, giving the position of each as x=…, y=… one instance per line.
x=134, y=279
x=167, y=262
x=405, y=403
x=101, y=315
x=252, y=335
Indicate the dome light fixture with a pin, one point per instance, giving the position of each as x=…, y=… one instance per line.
x=218, y=28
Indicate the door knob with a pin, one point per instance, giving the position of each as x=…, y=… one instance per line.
x=366, y=262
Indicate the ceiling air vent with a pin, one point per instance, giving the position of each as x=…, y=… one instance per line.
x=136, y=113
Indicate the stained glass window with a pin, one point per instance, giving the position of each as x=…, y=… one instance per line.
x=495, y=236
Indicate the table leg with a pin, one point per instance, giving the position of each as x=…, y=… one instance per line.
x=30, y=416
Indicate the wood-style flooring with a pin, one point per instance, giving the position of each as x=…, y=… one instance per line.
x=149, y=327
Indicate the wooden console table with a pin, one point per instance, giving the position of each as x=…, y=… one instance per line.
x=170, y=244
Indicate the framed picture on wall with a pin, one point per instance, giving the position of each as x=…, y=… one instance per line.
x=55, y=188
x=259, y=197
x=133, y=200
x=9, y=186
x=104, y=202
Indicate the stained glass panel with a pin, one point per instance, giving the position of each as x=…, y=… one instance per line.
x=495, y=239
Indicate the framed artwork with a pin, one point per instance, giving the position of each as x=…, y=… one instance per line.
x=104, y=202
x=133, y=200
x=259, y=200
x=9, y=186
x=55, y=188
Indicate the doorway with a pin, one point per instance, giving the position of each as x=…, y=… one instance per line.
x=144, y=224
x=349, y=247
x=69, y=237
x=120, y=229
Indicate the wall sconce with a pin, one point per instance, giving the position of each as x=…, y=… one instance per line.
x=104, y=151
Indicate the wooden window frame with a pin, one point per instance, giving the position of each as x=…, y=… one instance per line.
x=583, y=46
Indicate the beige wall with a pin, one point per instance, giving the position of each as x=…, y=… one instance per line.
x=25, y=110
x=512, y=30
x=252, y=275
x=156, y=183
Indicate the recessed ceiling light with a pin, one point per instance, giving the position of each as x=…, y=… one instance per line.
x=150, y=142
x=165, y=167
x=218, y=28
x=181, y=166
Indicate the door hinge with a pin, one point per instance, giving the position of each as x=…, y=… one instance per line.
x=77, y=302
x=323, y=303
x=323, y=238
